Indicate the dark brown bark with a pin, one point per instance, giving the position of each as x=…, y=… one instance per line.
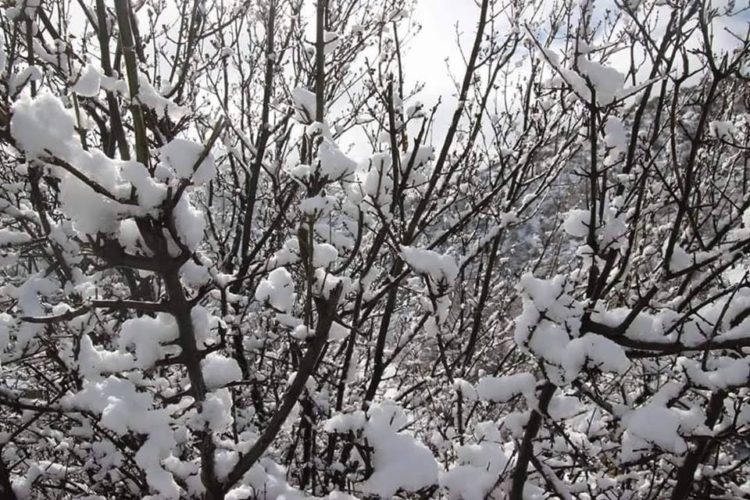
x=686, y=473
x=526, y=449
x=326, y=314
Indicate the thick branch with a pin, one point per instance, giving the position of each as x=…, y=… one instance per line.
x=326, y=312
x=527, y=445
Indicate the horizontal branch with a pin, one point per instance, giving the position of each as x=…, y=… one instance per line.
x=119, y=305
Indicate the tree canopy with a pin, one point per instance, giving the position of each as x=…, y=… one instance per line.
x=241, y=256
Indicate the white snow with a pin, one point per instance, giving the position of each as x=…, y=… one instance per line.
x=9, y=237
x=6, y=323
x=123, y=408
x=217, y=409
x=680, y=259
x=334, y=164
x=88, y=82
x=723, y=130
x=723, y=372
x=43, y=123
x=219, y=370
x=593, y=350
x=651, y=425
x=615, y=136
x=503, y=389
x=331, y=40
x=606, y=83
x=92, y=361
x=146, y=335
x=189, y=222
x=439, y=267
x=478, y=465
x=317, y=206
x=400, y=462
x=324, y=254
x=182, y=156
x=378, y=184
x=577, y=223
x=150, y=192
x=151, y=98
x=343, y=423
x=304, y=103
x=277, y=290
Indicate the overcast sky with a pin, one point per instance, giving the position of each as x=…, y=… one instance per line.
x=426, y=58
x=436, y=43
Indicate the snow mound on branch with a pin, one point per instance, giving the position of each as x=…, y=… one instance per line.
x=147, y=335
x=151, y=98
x=6, y=323
x=594, y=81
x=549, y=328
x=216, y=410
x=615, y=136
x=123, y=408
x=608, y=83
x=437, y=267
x=89, y=82
x=594, y=351
x=548, y=314
x=189, y=222
x=577, y=223
x=345, y=422
x=277, y=290
x=332, y=162
x=324, y=254
x=723, y=372
x=317, y=206
x=268, y=477
x=333, y=236
x=95, y=189
x=378, y=184
x=182, y=156
x=399, y=460
x=724, y=130
x=8, y=237
x=41, y=124
x=503, y=389
x=219, y=370
x=92, y=361
x=651, y=425
x=43, y=127
x=150, y=192
x=478, y=465
x=304, y=104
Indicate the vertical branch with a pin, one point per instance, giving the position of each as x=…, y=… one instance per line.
x=118, y=132
x=251, y=187
x=327, y=311
x=593, y=177
x=6, y=490
x=526, y=449
x=181, y=310
x=392, y=133
x=320, y=69
x=448, y=142
x=122, y=7
x=479, y=308
x=378, y=367
x=686, y=473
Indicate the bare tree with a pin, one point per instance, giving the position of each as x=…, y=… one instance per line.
x=205, y=295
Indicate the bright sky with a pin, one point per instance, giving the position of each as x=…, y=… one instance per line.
x=437, y=41
x=426, y=59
